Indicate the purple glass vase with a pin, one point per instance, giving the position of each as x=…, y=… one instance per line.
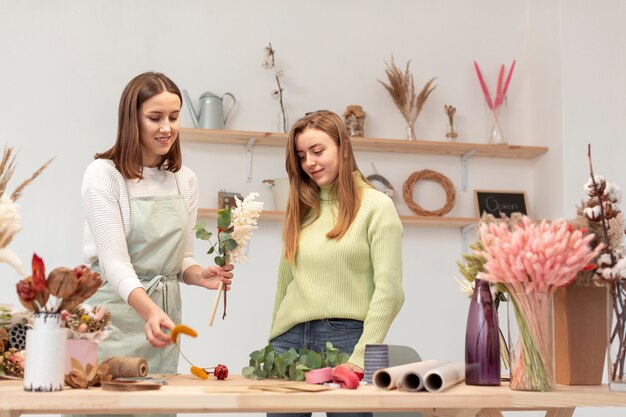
x=482, y=343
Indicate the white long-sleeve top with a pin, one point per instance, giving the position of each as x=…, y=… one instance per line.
x=107, y=217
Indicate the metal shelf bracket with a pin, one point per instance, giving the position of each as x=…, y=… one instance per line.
x=249, y=147
x=465, y=168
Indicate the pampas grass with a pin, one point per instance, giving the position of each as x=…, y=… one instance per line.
x=401, y=88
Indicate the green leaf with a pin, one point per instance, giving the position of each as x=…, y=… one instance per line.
x=268, y=365
x=247, y=371
x=219, y=261
x=257, y=356
x=292, y=371
x=331, y=357
x=290, y=356
x=203, y=234
x=230, y=244
x=223, y=236
x=311, y=360
x=280, y=366
x=299, y=375
x=303, y=367
x=260, y=373
x=211, y=250
x=223, y=218
x=343, y=358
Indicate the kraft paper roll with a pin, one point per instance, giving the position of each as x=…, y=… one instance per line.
x=127, y=367
x=443, y=377
x=413, y=379
x=390, y=378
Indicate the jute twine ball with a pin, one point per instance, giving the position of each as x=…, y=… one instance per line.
x=427, y=174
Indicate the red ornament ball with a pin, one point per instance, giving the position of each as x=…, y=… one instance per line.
x=220, y=372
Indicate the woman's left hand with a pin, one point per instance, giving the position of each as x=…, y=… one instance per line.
x=211, y=277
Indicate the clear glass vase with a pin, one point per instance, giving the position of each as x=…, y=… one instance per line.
x=616, y=350
x=410, y=131
x=532, y=357
x=482, y=341
x=495, y=120
x=283, y=121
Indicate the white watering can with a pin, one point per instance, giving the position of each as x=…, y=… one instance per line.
x=210, y=114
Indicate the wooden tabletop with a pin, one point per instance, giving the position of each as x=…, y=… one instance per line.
x=187, y=394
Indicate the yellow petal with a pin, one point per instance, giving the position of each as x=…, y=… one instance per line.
x=181, y=328
x=199, y=372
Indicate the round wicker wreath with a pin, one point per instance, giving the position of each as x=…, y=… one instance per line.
x=427, y=174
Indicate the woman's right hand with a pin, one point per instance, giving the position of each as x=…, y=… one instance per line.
x=155, y=318
x=156, y=322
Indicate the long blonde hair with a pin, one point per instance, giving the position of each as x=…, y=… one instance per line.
x=304, y=199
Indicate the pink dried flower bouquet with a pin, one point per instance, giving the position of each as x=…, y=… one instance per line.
x=532, y=260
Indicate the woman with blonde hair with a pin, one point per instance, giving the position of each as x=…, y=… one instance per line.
x=340, y=276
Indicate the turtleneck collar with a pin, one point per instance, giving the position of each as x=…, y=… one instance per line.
x=326, y=189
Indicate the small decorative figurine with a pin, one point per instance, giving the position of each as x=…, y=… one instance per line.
x=354, y=118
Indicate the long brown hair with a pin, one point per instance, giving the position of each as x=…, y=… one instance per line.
x=126, y=153
x=304, y=199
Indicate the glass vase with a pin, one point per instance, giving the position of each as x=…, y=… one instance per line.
x=44, y=363
x=496, y=122
x=532, y=357
x=616, y=348
x=482, y=342
x=283, y=121
x=410, y=131
x=451, y=133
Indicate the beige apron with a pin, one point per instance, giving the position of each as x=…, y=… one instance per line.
x=156, y=248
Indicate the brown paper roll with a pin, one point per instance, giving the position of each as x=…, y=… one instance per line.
x=127, y=367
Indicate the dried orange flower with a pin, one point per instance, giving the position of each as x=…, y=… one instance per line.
x=181, y=328
x=199, y=372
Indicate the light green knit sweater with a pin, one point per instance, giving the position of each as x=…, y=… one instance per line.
x=356, y=277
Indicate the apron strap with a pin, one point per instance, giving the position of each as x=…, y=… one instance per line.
x=159, y=283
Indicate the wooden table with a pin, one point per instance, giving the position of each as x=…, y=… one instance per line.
x=187, y=394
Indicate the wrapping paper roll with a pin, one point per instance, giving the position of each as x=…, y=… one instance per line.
x=127, y=367
x=390, y=378
x=443, y=377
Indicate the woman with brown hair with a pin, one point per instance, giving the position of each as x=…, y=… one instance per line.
x=340, y=277
x=140, y=207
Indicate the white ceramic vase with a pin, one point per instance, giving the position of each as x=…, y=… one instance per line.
x=45, y=354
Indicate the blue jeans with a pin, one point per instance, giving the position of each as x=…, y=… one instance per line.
x=342, y=333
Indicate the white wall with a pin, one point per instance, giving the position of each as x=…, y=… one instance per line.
x=65, y=63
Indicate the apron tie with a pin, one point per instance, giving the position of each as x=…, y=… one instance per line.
x=159, y=283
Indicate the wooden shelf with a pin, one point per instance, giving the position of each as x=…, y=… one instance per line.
x=452, y=222
x=369, y=144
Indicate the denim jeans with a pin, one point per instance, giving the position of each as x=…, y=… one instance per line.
x=342, y=333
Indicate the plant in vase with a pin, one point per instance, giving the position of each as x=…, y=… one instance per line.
x=269, y=63
x=532, y=261
x=64, y=288
x=601, y=214
x=496, y=135
x=401, y=88
x=86, y=328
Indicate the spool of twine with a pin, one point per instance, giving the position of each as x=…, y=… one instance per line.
x=427, y=174
x=127, y=367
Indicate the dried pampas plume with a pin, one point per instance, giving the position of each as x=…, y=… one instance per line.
x=401, y=87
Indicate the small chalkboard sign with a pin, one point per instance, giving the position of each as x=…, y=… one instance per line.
x=500, y=202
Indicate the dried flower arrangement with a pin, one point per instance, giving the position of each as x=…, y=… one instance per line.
x=85, y=322
x=220, y=371
x=532, y=261
x=12, y=363
x=70, y=287
x=602, y=215
x=401, y=88
x=496, y=135
x=269, y=62
x=10, y=222
x=450, y=111
x=234, y=229
x=89, y=376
